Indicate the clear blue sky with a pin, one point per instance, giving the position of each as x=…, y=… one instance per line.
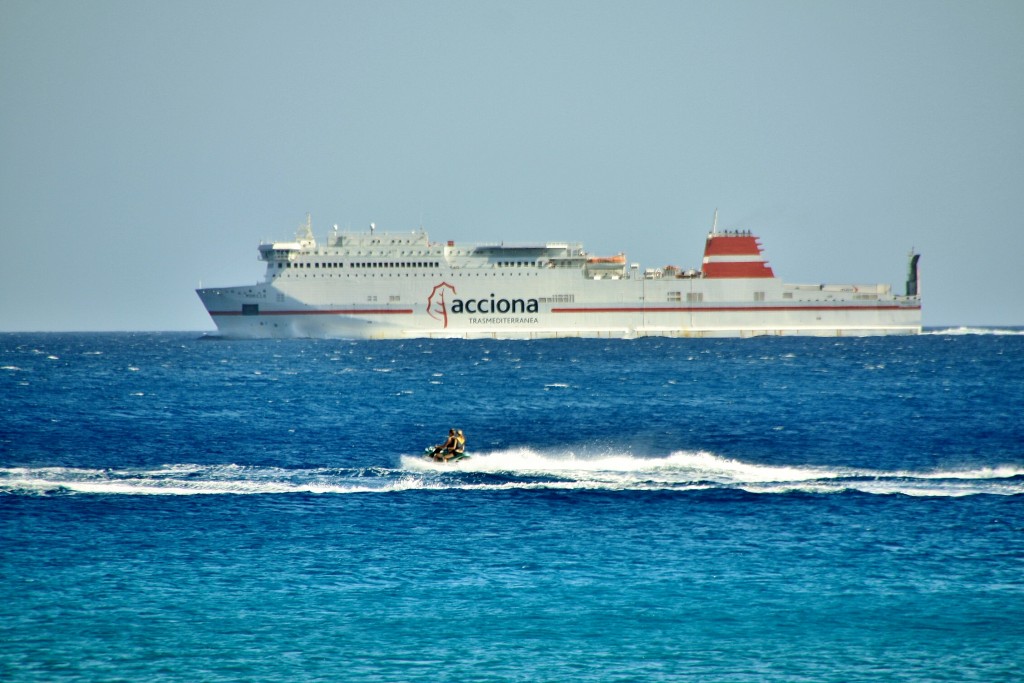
x=146, y=147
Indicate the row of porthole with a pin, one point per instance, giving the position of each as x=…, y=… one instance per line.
x=394, y=264
x=452, y=274
x=382, y=264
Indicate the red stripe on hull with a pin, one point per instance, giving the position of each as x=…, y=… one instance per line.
x=722, y=309
x=369, y=311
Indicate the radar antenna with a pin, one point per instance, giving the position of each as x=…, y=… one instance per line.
x=306, y=231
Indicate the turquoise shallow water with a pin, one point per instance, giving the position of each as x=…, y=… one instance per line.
x=174, y=508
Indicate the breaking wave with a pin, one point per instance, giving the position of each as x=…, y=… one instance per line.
x=517, y=468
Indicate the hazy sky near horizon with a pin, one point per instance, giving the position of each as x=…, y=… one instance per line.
x=148, y=147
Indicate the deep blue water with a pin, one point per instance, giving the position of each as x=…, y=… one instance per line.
x=181, y=508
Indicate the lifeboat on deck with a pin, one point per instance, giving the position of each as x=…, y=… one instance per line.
x=597, y=263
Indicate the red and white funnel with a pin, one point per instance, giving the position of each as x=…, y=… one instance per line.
x=735, y=254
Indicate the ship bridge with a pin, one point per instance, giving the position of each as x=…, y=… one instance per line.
x=278, y=252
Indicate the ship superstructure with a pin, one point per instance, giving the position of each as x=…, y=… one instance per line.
x=386, y=285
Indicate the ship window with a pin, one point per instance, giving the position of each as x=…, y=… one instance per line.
x=694, y=296
x=250, y=309
x=758, y=296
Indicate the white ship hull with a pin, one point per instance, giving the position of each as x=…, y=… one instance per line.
x=390, y=286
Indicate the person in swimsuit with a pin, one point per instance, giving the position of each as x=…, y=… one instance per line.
x=445, y=449
x=458, y=448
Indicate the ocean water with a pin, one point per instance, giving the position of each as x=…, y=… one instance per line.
x=181, y=508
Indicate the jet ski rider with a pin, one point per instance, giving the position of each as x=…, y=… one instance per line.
x=460, y=444
x=445, y=450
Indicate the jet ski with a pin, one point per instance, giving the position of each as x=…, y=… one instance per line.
x=444, y=455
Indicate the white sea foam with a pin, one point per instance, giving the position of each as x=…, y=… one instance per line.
x=685, y=470
x=676, y=466
x=951, y=331
x=517, y=468
x=189, y=479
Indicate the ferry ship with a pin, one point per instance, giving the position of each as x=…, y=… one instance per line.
x=387, y=285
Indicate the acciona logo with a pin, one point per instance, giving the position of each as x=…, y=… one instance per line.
x=437, y=302
x=443, y=302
